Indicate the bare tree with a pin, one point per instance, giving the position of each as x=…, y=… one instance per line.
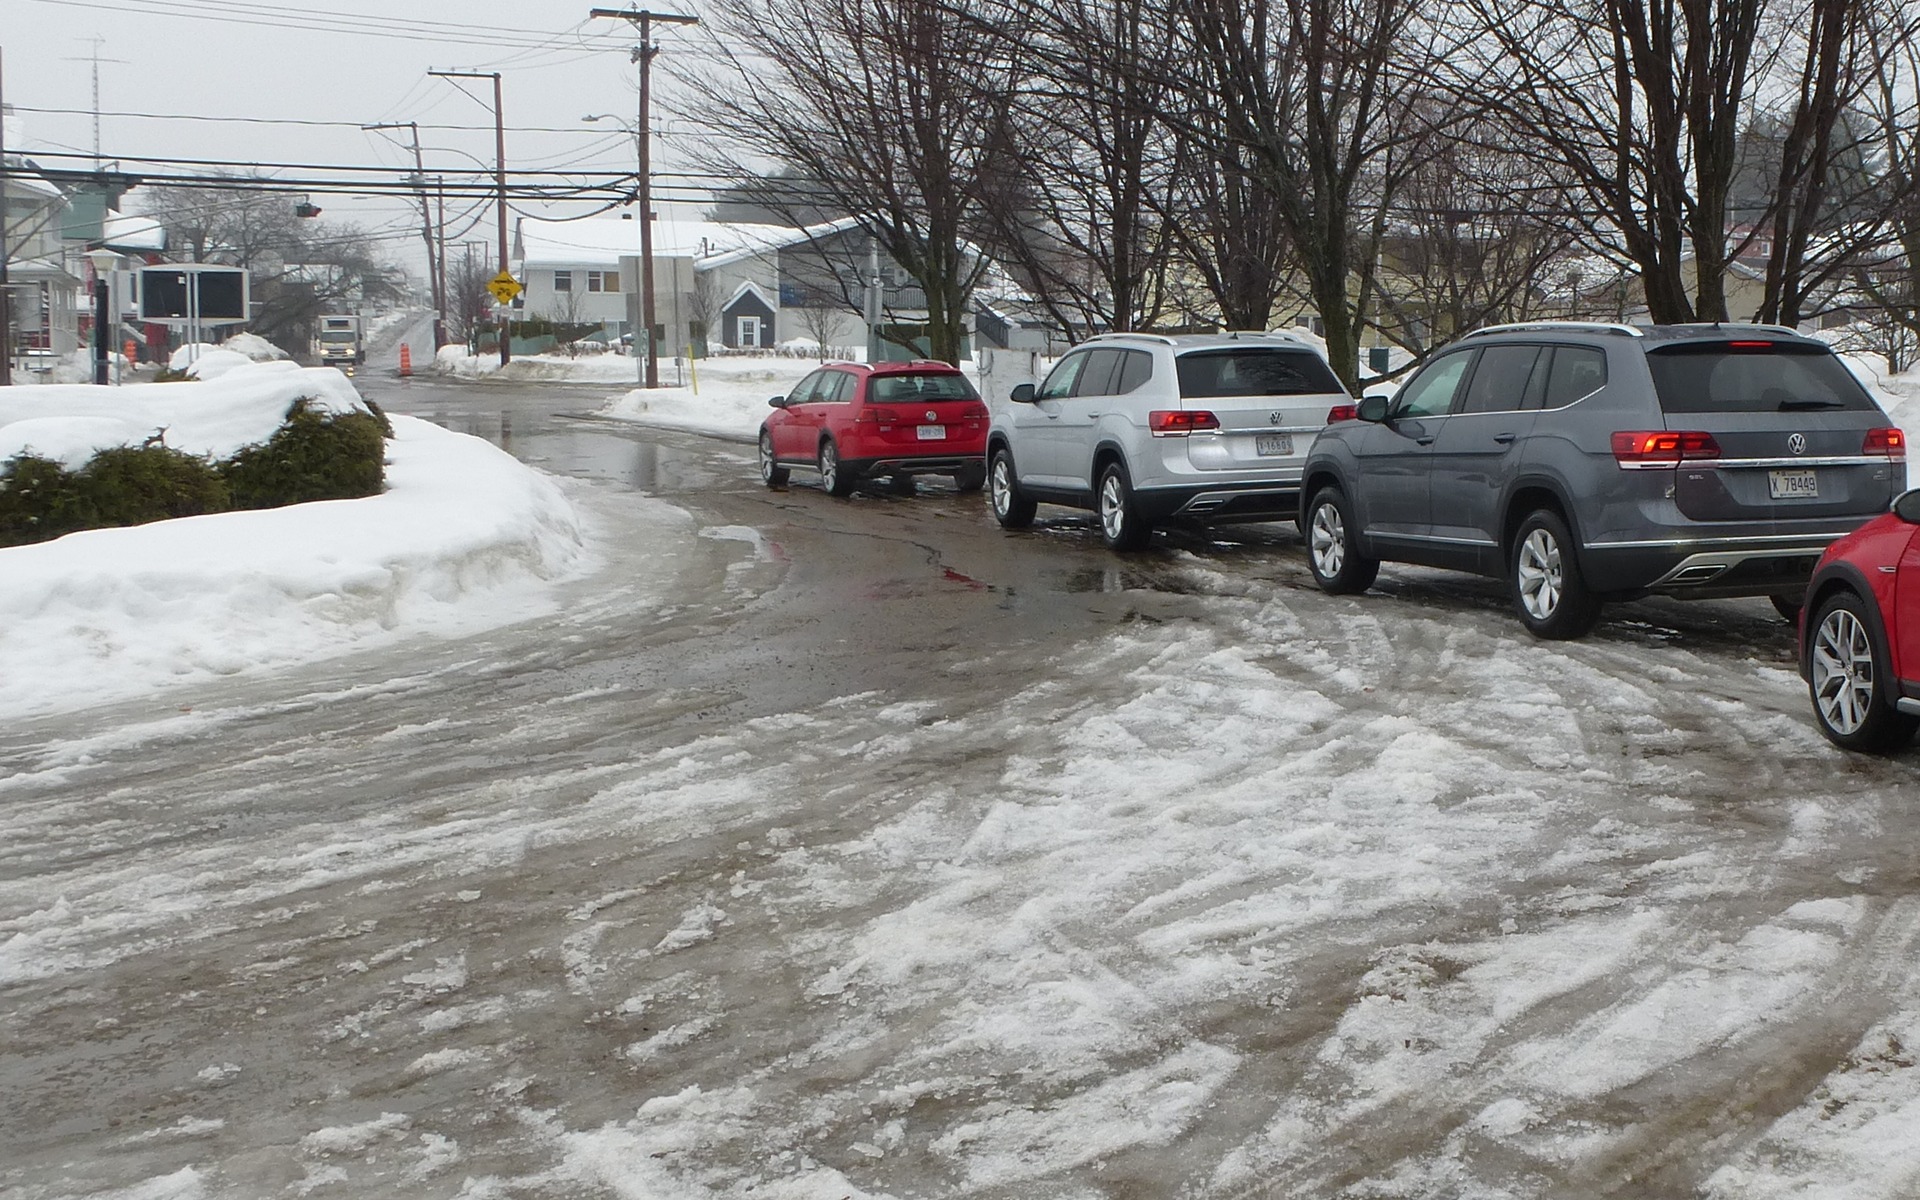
x=886, y=104
x=298, y=267
x=1079, y=215
x=1317, y=99
x=1466, y=245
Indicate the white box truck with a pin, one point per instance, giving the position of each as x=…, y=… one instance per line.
x=342, y=341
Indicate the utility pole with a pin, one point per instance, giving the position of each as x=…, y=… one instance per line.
x=440, y=283
x=6, y=293
x=434, y=276
x=643, y=55
x=499, y=178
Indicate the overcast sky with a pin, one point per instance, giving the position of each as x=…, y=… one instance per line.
x=272, y=83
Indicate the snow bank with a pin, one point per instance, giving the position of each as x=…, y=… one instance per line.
x=116, y=612
x=730, y=399
x=238, y=403
x=538, y=368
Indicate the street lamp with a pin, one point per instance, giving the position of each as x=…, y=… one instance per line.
x=642, y=344
x=104, y=261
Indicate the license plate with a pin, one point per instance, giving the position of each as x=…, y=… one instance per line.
x=933, y=433
x=1793, y=485
x=1268, y=444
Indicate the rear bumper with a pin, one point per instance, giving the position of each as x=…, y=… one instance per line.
x=930, y=464
x=1698, y=568
x=1242, y=502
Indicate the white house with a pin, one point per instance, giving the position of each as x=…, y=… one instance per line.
x=41, y=274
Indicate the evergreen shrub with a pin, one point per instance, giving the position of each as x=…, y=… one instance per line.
x=314, y=455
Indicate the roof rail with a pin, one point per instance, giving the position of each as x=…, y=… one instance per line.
x=1285, y=335
x=1151, y=337
x=1575, y=326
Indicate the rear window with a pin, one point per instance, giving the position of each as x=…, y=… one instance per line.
x=912, y=389
x=1255, y=371
x=1729, y=377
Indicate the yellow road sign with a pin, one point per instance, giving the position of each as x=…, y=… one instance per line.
x=504, y=287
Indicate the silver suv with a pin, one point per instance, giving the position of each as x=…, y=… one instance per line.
x=1144, y=429
x=1588, y=463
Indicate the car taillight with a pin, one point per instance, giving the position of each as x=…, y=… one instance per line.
x=1662, y=446
x=1342, y=412
x=1890, y=442
x=1180, y=423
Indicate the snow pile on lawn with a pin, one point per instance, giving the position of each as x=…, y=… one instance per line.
x=600, y=367
x=237, y=403
x=731, y=400
x=111, y=613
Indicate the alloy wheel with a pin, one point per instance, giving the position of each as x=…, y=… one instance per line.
x=1542, y=578
x=1113, y=507
x=1001, y=481
x=1328, y=538
x=1843, y=677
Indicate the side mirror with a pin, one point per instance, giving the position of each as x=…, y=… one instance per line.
x=1906, y=506
x=1372, y=408
x=1022, y=393
x=777, y=402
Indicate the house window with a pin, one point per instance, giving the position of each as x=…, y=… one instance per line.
x=749, y=333
x=603, y=281
x=563, y=281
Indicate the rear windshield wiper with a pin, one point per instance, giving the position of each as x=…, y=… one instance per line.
x=1801, y=405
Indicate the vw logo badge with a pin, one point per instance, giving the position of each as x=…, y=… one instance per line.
x=935, y=416
x=1797, y=443
x=1275, y=418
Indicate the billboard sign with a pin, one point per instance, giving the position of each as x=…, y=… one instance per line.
x=193, y=292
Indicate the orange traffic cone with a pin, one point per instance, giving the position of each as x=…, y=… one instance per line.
x=406, y=360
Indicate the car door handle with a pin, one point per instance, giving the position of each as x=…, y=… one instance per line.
x=1424, y=441
x=1505, y=439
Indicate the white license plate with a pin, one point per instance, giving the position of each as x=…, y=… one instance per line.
x=1268, y=444
x=1793, y=485
x=933, y=433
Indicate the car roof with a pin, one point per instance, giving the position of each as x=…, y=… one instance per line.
x=1184, y=342
x=1697, y=331
x=918, y=366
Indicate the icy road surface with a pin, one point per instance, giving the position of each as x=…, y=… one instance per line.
x=836, y=849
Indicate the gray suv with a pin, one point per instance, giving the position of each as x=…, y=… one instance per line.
x=1145, y=428
x=1586, y=463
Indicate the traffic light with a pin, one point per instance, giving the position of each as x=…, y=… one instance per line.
x=305, y=209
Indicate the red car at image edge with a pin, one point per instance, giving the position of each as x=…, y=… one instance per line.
x=852, y=421
x=1860, y=633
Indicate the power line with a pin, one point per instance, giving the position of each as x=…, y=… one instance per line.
x=310, y=21
x=153, y=116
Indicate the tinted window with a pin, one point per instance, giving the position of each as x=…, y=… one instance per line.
x=1431, y=392
x=1062, y=378
x=1135, y=369
x=1098, y=378
x=1500, y=380
x=1758, y=377
x=804, y=391
x=911, y=389
x=836, y=387
x=1255, y=371
x=1576, y=372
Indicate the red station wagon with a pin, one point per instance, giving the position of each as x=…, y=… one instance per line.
x=851, y=421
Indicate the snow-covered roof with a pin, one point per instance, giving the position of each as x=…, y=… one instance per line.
x=602, y=241
x=778, y=237
x=133, y=232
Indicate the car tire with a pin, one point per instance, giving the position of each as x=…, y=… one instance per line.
x=1549, y=592
x=837, y=479
x=971, y=479
x=1788, y=607
x=1849, y=679
x=771, y=472
x=1122, y=527
x=1333, y=546
x=1010, y=508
